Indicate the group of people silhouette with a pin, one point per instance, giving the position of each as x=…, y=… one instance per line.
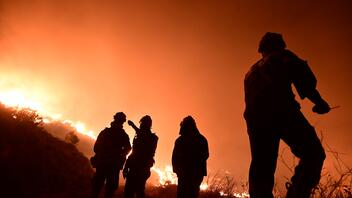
x=271, y=113
x=113, y=146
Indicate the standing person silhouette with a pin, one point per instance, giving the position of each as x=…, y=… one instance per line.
x=272, y=113
x=189, y=159
x=137, y=168
x=111, y=148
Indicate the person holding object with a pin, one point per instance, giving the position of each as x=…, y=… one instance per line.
x=272, y=113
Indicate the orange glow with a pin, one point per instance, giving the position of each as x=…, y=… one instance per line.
x=86, y=60
x=20, y=99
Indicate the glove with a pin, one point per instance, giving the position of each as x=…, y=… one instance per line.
x=130, y=123
x=321, y=108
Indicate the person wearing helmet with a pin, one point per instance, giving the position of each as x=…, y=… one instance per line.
x=272, y=113
x=137, y=168
x=111, y=148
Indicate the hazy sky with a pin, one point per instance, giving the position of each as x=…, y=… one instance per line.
x=87, y=59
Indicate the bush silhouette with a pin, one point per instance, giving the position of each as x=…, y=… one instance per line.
x=72, y=138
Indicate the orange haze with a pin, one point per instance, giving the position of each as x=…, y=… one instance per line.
x=87, y=59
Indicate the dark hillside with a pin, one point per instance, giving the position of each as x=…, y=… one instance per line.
x=60, y=130
x=33, y=163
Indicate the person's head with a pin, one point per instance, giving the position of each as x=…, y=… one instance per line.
x=146, y=122
x=119, y=119
x=271, y=42
x=188, y=126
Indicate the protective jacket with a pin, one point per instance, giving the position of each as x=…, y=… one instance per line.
x=111, y=148
x=190, y=155
x=268, y=91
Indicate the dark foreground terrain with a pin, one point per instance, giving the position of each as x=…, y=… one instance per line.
x=36, y=162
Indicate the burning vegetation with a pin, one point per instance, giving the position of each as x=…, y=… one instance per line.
x=218, y=185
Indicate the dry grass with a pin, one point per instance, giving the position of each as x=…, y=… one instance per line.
x=336, y=183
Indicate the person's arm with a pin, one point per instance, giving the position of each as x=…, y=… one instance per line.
x=133, y=126
x=127, y=145
x=155, y=143
x=176, y=158
x=126, y=150
x=152, y=150
x=98, y=145
x=305, y=82
x=205, y=149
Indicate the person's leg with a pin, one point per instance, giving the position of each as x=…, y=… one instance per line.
x=98, y=182
x=301, y=137
x=112, y=183
x=182, y=186
x=264, y=150
x=140, y=183
x=140, y=186
x=196, y=182
x=129, y=186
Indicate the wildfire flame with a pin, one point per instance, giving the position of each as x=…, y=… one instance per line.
x=18, y=99
x=168, y=177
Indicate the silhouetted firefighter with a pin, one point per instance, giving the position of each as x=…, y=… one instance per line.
x=137, y=168
x=110, y=149
x=272, y=113
x=189, y=159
